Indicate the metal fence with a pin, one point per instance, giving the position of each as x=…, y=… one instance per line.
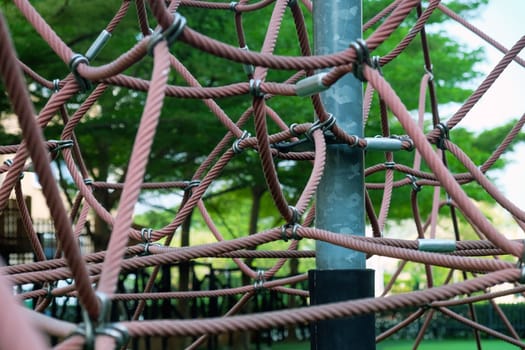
x=202, y=276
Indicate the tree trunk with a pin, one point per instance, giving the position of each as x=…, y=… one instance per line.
x=257, y=193
x=101, y=234
x=184, y=275
x=294, y=270
x=102, y=229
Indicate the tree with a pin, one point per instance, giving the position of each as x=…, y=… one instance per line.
x=188, y=130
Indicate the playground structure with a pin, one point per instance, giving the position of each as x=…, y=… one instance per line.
x=96, y=275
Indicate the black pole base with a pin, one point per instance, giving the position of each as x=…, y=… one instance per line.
x=355, y=333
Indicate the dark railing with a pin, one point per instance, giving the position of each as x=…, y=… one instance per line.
x=202, y=276
x=14, y=243
x=444, y=327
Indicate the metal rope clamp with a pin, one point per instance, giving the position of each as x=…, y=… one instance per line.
x=145, y=234
x=443, y=135
x=56, y=85
x=255, y=88
x=405, y=138
x=292, y=130
x=293, y=224
x=258, y=285
x=521, y=265
x=429, y=71
x=61, y=144
x=190, y=185
x=236, y=147
x=363, y=57
x=89, y=329
x=436, y=245
x=356, y=141
x=82, y=82
x=97, y=45
x=376, y=64
x=249, y=69
x=49, y=289
x=311, y=85
x=413, y=182
x=170, y=34
x=9, y=162
x=325, y=126
x=389, y=165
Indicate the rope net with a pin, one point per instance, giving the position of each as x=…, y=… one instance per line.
x=274, y=138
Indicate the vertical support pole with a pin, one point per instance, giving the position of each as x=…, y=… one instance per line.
x=341, y=273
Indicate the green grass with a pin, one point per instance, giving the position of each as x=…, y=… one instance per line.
x=448, y=344
x=452, y=344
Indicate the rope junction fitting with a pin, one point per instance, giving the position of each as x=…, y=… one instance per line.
x=413, y=182
x=443, y=135
x=82, y=82
x=363, y=57
x=249, y=69
x=61, y=144
x=255, y=88
x=145, y=235
x=236, y=147
x=98, y=45
x=90, y=329
x=170, y=34
x=258, y=285
x=311, y=85
x=436, y=245
x=56, y=85
x=191, y=184
x=324, y=126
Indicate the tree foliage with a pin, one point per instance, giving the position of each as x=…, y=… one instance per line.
x=189, y=130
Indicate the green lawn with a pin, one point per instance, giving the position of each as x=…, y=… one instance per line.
x=487, y=344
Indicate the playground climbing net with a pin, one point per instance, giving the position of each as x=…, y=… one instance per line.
x=95, y=275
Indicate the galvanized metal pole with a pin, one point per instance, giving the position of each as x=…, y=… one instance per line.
x=341, y=273
x=340, y=199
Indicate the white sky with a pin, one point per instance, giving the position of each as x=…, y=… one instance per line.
x=503, y=20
